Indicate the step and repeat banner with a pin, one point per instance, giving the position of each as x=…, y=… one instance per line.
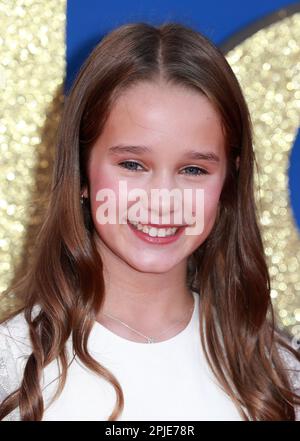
x=43, y=44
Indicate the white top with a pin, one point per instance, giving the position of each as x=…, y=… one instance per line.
x=164, y=381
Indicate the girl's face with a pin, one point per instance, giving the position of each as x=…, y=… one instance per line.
x=170, y=121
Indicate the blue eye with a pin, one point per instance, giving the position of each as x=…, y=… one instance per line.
x=131, y=163
x=198, y=169
x=131, y=166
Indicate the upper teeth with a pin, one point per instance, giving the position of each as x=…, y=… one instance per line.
x=153, y=231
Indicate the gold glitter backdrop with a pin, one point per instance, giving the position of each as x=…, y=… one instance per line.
x=267, y=65
x=32, y=69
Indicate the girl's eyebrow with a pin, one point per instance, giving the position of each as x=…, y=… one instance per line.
x=139, y=149
x=206, y=156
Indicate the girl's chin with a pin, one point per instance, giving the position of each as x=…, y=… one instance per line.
x=145, y=261
x=157, y=269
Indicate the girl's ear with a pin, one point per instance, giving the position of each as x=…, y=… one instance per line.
x=84, y=192
x=237, y=162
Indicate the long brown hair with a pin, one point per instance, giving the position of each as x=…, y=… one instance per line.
x=228, y=270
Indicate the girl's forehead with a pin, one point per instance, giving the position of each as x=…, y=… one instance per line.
x=148, y=98
x=153, y=113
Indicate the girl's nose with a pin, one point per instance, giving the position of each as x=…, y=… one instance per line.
x=165, y=200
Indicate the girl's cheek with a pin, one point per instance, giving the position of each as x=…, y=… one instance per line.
x=101, y=181
x=116, y=188
x=207, y=209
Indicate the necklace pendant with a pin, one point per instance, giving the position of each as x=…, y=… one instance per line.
x=150, y=340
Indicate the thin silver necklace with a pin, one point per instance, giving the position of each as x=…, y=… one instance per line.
x=149, y=339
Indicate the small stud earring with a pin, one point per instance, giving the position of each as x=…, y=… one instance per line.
x=81, y=199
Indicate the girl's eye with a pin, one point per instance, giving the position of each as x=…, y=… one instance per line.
x=131, y=165
x=197, y=171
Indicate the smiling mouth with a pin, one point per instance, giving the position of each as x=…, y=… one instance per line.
x=155, y=231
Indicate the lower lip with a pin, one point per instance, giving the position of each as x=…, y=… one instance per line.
x=157, y=240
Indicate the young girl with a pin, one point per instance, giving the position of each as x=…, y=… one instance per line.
x=139, y=320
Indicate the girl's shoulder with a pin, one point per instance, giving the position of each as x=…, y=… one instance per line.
x=15, y=347
x=14, y=333
x=292, y=367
